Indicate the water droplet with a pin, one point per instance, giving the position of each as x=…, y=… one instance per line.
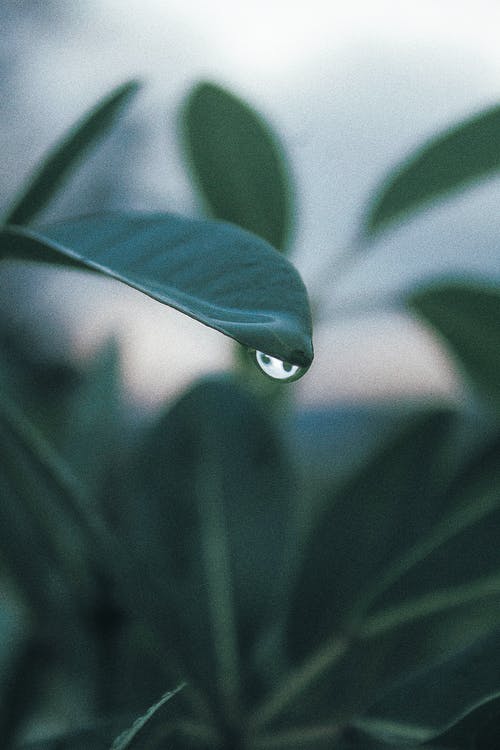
x=277, y=369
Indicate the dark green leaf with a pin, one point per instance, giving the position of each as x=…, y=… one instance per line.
x=354, y=539
x=467, y=317
x=425, y=705
x=402, y=569
x=218, y=490
x=237, y=163
x=52, y=172
x=221, y=275
x=460, y=155
x=90, y=434
x=368, y=522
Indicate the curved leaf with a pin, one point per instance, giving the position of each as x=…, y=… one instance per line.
x=467, y=316
x=238, y=163
x=214, y=272
x=128, y=738
x=447, y=162
x=67, y=153
x=424, y=706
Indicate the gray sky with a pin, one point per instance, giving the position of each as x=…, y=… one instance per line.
x=350, y=88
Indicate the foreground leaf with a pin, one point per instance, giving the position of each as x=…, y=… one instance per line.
x=238, y=163
x=447, y=162
x=52, y=172
x=130, y=738
x=467, y=316
x=218, y=488
x=214, y=272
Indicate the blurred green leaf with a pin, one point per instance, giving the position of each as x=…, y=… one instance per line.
x=216, y=273
x=52, y=172
x=467, y=317
x=426, y=704
x=354, y=539
x=368, y=521
x=238, y=163
x=217, y=485
x=90, y=435
x=447, y=162
x=402, y=569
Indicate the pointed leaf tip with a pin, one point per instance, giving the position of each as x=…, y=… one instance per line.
x=212, y=271
x=447, y=162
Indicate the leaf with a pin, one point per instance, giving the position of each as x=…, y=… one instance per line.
x=467, y=317
x=90, y=434
x=428, y=703
x=368, y=521
x=451, y=160
x=223, y=276
x=218, y=489
x=402, y=569
x=238, y=163
x=128, y=738
x=354, y=539
x=53, y=171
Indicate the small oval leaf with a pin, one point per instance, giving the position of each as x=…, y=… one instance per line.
x=445, y=163
x=214, y=272
x=237, y=163
x=467, y=316
x=51, y=173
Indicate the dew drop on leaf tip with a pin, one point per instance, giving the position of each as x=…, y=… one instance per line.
x=276, y=369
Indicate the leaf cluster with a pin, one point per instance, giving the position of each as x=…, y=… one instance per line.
x=186, y=554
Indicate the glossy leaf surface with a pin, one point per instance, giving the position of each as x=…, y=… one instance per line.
x=52, y=172
x=467, y=317
x=214, y=272
x=237, y=163
x=447, y=162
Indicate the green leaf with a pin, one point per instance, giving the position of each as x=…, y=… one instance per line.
x=467, y=317
x=223, y=276
x=354, y=539
x=52, y=172
x=376, y=514
x=458, y=156
x=90, y=434
x=425, y=705
x=131, y=737
x=402, y=569
x=238, y=163
x=218, y=489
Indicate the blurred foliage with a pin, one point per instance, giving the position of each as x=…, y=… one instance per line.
x=184, y=554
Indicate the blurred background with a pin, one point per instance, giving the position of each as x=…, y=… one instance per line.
x=350, y=88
